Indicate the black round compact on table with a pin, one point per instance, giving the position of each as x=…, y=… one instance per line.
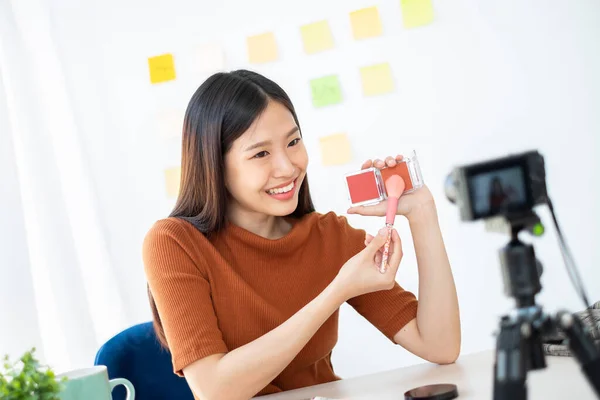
x=444, y=391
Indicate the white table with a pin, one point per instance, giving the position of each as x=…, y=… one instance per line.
x=472, y=374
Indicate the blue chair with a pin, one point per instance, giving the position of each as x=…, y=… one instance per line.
x=135, y=354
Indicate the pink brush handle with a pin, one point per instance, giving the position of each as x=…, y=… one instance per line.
x=392, y=208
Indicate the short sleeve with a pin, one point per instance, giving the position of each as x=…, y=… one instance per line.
x=388, y=310
x=182, y=294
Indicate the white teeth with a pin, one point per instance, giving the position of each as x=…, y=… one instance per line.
x=284, y=189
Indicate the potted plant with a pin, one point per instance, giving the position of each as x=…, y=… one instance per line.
x=27, y=379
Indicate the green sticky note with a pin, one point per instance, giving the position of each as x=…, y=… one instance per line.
x=326, y=91
x=416, y=12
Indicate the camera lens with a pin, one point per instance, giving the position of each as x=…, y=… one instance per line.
x=450, y=189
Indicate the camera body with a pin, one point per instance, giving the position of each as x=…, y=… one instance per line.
x=507, y=186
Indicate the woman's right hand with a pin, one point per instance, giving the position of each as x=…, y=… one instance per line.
x=361, y=275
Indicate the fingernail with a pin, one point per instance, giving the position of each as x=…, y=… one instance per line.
x=383, y=232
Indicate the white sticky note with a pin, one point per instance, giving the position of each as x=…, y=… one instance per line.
x=168, y=123
x=210, y=58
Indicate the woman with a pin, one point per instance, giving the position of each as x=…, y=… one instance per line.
x=245, y=279
x=497, y=197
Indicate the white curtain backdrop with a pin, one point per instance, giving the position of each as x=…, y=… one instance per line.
x=59, y=290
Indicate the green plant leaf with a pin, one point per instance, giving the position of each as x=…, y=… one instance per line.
x=27, y=379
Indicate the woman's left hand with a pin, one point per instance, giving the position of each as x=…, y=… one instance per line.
x=407, y=203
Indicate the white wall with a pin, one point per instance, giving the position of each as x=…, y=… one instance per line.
x=485, y=79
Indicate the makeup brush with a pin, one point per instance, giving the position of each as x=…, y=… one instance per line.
x=394, y=186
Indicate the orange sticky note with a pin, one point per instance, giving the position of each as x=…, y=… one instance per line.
x=377, y=79
x=162, y=68
x=416, y=12
x=366, y=23
x=262, y=48
x=335, y=149
x=172, y=178
x=316, y=37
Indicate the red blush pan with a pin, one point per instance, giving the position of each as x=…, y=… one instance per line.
x=363, y=187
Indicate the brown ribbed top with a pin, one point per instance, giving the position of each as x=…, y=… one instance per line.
x=219, y=294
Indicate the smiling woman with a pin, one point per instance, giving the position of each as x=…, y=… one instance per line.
x=245, y=278
x=265, y=170
x=215, y=163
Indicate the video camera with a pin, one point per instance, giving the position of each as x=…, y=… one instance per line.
x=508, y=188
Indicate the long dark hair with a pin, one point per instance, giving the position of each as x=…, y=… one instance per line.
x=219, y=112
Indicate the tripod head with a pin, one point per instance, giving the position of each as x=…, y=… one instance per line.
x=521, y=270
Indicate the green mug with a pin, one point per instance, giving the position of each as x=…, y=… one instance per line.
x=92, y=384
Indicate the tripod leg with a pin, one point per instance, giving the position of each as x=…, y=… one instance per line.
x=510, y=370
x=536, y=359
x=582, y=346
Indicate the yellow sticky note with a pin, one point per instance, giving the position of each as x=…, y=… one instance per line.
x=316, y=37
x=162, y=68
x=416, y=12
x=262, y=48
x=366, y=23
x=377, y=79
x=335, y=149
x=172, y=177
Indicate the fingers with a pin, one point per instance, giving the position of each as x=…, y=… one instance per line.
x=395, y=251
x=368, y=239
x=389, y=162
x=378, y=163
x=378, y=257
x=376, y=243
x=377, y=210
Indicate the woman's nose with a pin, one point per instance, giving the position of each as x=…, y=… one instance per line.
x=284, y=166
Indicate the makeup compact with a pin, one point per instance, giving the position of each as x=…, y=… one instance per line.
x=367, y=186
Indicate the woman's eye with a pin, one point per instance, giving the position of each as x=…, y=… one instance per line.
x=294, y=142
x=261, y=154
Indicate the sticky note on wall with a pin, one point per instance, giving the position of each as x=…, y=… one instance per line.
x=262, y=48
x=326, y=91
x=168, y=123
x=366, y=23
x=210, y=58
x=335, y=149
x=172, y=178
x=316, y=37
x=162, y=68
x=416, y=12
x=377, y=79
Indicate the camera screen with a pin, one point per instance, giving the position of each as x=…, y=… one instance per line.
x=499, y=191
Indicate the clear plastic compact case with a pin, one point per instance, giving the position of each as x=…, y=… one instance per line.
x=367, y=186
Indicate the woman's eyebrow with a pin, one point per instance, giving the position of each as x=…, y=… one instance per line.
x=266, y=142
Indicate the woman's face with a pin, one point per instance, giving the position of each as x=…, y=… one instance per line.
x=497, y=186
x=266, y=165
